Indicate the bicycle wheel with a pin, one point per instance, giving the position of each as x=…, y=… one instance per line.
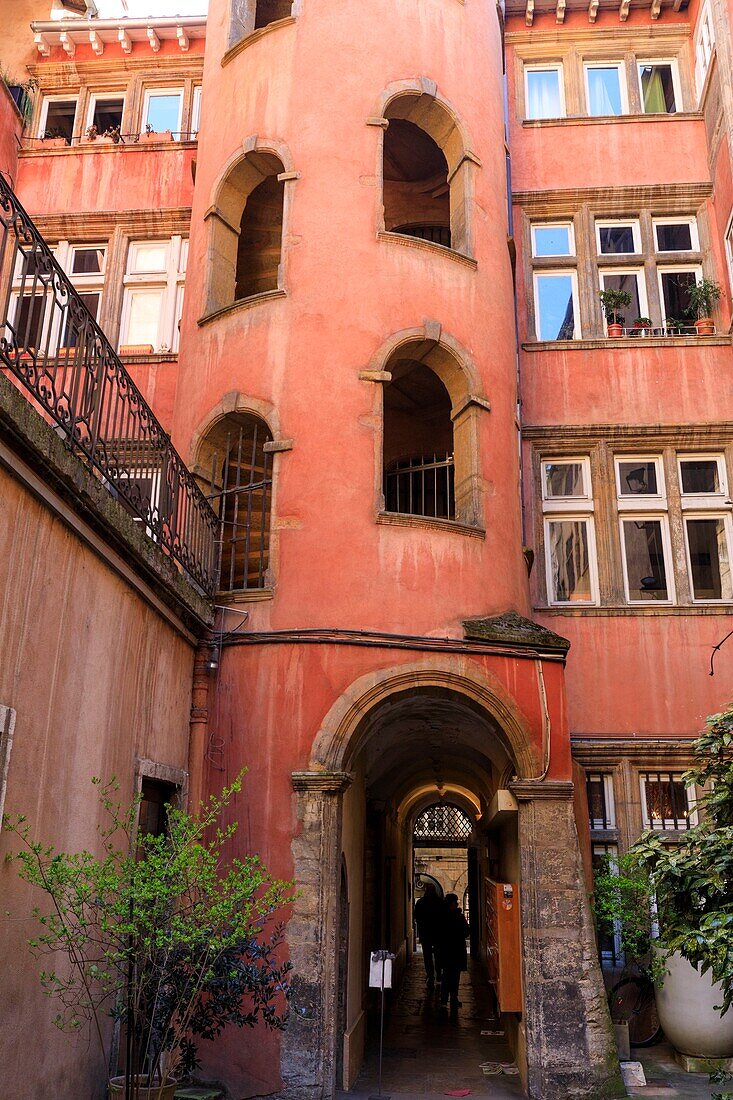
x=632, y=1001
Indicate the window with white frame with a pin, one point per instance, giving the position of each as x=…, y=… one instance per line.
x=704, y=46
x=570, y=552
x=153, y=297
x=556, y=305
x=618, y=237
x=706, y=515
x=675, y=283
x=601, y=808
x=544, y=94
x=646, y=550
x=666, y=803
x=39, y=322
x=196, y=112
x=58, y=117
x=105, y=111
x=632, y=281
x=162, y=110
x=552, y=239
x=659, y=85
x=676, y=235
x=605, y=88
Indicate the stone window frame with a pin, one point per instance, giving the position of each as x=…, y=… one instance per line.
x=602, y=455
x=455, y=368
x=627, y=45
x=588, y=261
x=437, y=117
x=236, y=182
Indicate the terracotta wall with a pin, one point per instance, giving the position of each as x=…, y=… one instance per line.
x=97, y=680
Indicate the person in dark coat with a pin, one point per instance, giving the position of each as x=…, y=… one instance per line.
x=429, y=918
x=453, y=954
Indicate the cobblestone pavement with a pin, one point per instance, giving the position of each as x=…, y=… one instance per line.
x=426, y=1053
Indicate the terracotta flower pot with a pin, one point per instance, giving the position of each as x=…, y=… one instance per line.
x=686, y=1005
x=615, y=329
x=705, y=326
x=166, y=1092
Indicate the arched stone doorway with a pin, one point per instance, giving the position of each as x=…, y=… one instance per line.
x=389, y=746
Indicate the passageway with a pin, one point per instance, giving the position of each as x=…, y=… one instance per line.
x=426, y=1052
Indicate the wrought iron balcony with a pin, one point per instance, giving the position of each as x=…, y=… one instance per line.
x=54, y=351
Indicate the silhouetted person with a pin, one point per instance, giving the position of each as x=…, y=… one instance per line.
x=453, y=954
x=429, y=916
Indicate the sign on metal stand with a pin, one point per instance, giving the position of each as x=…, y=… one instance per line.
x=380, y=977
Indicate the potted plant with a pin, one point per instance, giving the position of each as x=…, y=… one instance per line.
x=673, y=326
x=154, y=135
x=112, y=134
x=54, y=138
x=613, y=301
x=162, y=934
x=692, y=881
x=703, y=296
x=642, y=325
x=91, y=133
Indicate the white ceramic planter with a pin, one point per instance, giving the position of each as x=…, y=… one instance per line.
x=685, y=1003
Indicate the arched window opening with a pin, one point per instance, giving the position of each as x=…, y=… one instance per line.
x=416, y=189
x=260, y=238
x=427, y=172
x=269, y=11
x=246, y=229
x=419, y=476
x=240, y=491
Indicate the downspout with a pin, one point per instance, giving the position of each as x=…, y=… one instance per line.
x=198, y=725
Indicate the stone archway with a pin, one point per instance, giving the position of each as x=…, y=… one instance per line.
x=567, y=1036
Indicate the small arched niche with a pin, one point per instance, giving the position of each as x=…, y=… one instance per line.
x=246, y=231
x=430, y=454
x=251, y=15
x=425, y=172
x=238, y=472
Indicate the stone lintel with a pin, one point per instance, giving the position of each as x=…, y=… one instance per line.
x=513, y=629
x=375, y=376
x=527, y=790
x=324, y=782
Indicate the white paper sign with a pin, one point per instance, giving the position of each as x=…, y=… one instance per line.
x=377, y=968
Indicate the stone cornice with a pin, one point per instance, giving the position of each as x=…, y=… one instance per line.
x=596, y=752
x=663, y=198
x=255, y=36
x=514, y=629
x=53, y=74
x=660, y=434
x=527, y=790
x=322, y=782
x=538, y=38
x=399, y=519
x=427, y=246
x=102, y=223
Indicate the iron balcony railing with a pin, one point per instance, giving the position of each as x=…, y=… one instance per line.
x=51, y=346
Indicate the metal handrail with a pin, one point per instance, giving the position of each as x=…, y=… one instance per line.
x=53, y=347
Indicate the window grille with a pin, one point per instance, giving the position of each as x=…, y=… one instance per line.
x=240, y=493
x=665, y=801
x=421, y=486
x=442, y=823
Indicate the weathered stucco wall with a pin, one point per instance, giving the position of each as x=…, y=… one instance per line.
x=10, y=128
x=97, y=679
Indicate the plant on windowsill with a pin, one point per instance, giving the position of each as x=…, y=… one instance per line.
x=613, y=301
x=166, y=935
x=642, y=326
x=54, y=139
x=703, y=296
x=91, y=133
x=112, y=133
x=154, y=135
x=675, y=327
x=21, y=92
